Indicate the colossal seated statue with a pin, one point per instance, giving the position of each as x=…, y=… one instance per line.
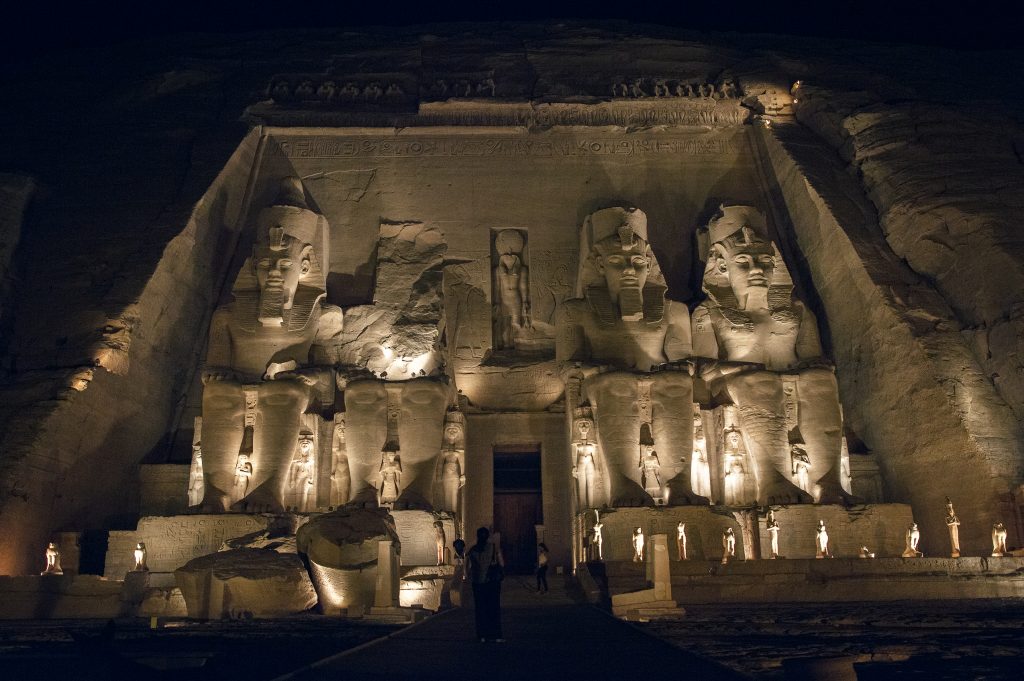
x=625, y=345
x=761, y=352
x=257, y=382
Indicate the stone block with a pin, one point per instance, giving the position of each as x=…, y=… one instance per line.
x=245, y=583
x=163, y=602
x=416, y=536
x=427, y=587
x=173, y=541
x=60, y=597
x=163, y=489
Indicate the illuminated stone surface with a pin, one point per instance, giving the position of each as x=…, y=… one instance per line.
x=245, y=583
x=447, y=222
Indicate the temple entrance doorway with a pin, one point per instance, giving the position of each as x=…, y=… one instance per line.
x=517, y=505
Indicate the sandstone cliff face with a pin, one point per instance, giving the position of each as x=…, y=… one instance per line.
x=142, y=171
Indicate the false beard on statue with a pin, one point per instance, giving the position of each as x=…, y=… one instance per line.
x=631, y=303
x=272, y=300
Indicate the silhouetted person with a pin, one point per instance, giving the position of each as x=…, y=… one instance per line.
x=542, y=568
x=485, y=570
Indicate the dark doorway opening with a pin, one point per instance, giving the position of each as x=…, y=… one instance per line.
x=517, y=506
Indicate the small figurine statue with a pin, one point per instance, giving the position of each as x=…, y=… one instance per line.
x=681, y=540
x=596, y=540
x=243, y=472
x=735, y=473
x=453, y=452
x=52, y=561
x=953, y=523
x=390, y=478
x=440, y=540
x=511, y=289
x=913, y=537
x=195, y=476
x=638, y=545
x=998, y=540
x=773, y=528
x=140, y=558
x=585, y=468
x=700, y=474
x=801, y=467
x=866, y=553
x=301, y=477
x=821, y=541
x=728, y=545
x=651, y=473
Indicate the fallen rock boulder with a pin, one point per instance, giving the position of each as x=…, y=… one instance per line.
x=245, y=583
x=343, y=548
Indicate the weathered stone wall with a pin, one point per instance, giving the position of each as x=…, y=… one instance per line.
x=912, y=388
x=142, y=169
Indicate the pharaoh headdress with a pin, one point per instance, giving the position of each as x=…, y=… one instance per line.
x=734, y=226
x=287, y=218
x=624, y=226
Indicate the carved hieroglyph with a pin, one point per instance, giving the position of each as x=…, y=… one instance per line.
x=617, y=329
x=257, y=383
x=762, y=353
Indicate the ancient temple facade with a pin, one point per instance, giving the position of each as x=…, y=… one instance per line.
x=630, y=301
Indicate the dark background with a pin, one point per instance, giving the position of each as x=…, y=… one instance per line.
x=30, y=28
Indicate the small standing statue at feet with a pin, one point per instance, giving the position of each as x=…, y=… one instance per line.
x=998, y=540
x=681, y=540
x=865, y=552
x=650, y=467
x=821, y=541
x=390, y=478
x=801, y=467
x=638, y=545
x=243, y=473
x=440, y=540
x=913, y=537
x=52, y=561
x=953, y=523
x=772, y=525
x=728, y=545
x=596, y=540
x=140, y=558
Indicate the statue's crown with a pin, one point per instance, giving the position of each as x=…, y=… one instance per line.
x=626, y=222
x=731, y=219
x=454, y=416
x=290, y=215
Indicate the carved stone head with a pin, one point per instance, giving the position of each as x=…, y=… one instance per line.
x=744, y=267
x=617, y=265
x=306, y=444
x=280, y=263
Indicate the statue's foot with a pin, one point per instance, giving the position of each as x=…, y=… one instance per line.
x=782, y=493
x=835, y=494
x=260, y=501
x=214, y=502
x=689, y=499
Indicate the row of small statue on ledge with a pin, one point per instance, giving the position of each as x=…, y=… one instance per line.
x=913, y=537
x=53, y=566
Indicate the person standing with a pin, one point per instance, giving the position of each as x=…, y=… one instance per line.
x=542, y=568
x=485, y=569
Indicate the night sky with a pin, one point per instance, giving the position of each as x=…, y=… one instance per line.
x=34, y=27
